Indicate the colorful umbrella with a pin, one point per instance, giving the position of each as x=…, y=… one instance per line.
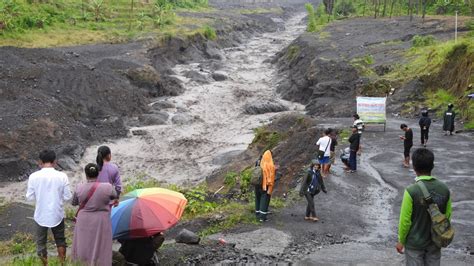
x=146, y=212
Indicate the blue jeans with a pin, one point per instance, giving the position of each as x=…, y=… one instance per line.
x=353, y=160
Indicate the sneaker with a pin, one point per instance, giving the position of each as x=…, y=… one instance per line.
x=307, y=218
x=314, y=219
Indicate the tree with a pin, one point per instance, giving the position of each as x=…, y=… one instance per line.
x=328, y=6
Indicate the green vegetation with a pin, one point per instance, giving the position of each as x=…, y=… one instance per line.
x=292, y=52
x=21, y=243
x=389, y=8
x=311, y=18
x=209, y=32
x=31, y=23
x=447, y=71
x=230, y=179
x=422, y=41
x=318, y=19
x=362, y=64
x=439, y=99
x=266, y=139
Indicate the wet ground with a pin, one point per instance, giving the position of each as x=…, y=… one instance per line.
x=209, y=124
x=359, y=214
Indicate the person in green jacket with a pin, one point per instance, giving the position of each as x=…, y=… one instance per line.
x=414, y=230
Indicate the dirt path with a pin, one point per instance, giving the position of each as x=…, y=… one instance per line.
x=206, y=125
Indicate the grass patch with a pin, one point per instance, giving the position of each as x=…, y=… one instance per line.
x=266, y=139
x=21, y=243
x=209, y=32
x=344, y=134
x=422, y=41
x=439, y=100
x=292, y=52
x=362, y=65
x=60, y=23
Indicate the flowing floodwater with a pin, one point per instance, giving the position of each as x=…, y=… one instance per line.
x=206, y=125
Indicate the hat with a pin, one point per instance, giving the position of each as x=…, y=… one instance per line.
x=353, y=126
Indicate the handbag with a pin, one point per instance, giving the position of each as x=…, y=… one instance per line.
x=321, y=153
x=83, y=204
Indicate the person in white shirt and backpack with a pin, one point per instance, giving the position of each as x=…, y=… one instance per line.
x=324, y=152
x=49, y=189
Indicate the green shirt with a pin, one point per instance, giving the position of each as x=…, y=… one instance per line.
x=414, y=229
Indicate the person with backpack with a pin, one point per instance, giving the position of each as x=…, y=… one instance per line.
x=448, y=120
x=424, y=225
x=311, y=186
x=425, y=123
x=324, y=151
x=263, y=178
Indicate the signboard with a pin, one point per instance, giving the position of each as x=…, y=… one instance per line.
x=372, y=109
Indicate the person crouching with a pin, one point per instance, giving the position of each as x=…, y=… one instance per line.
x=312, y=184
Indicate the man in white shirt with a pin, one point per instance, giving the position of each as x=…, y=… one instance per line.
x=324, y=152
x=49, y=189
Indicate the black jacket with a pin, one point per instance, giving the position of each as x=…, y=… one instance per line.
x=307, y=181
x=425, y=122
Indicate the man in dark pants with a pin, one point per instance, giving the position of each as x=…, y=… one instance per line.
x=407, y=144
x=355, y=148
x=414, y=230
x=425, y=123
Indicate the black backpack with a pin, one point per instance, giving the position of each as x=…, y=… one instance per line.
x=313, y=187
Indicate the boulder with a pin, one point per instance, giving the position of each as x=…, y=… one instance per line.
x=219, y=76
x=184, y=119
x=262, y=107
x=159, y=118
x=196, y=76
x=187, y=237
x=162, y=105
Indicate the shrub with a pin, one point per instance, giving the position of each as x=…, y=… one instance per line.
x=197, y=202
x=421, y=41
x=230, y=179
x=345, y=8
x=209, y=32
x=311, y=18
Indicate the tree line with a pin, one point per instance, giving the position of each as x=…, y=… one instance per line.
x=389, y=8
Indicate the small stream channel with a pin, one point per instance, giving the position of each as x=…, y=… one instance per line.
x=206, y=125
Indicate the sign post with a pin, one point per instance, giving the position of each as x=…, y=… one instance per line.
x=372, y=110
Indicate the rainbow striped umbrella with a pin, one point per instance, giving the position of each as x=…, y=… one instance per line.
x=146, y=212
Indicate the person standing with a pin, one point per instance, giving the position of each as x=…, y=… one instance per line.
x=332, y=148
x=355, y=149
x=358, y=123
x=312, y=184
x=92, y=241
x=268, y=182
x=108, y=172
x=324, y=152
x=425, y=123
x=448, y=121
x=49, y=189
x=407, y=144
x=414, y=229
